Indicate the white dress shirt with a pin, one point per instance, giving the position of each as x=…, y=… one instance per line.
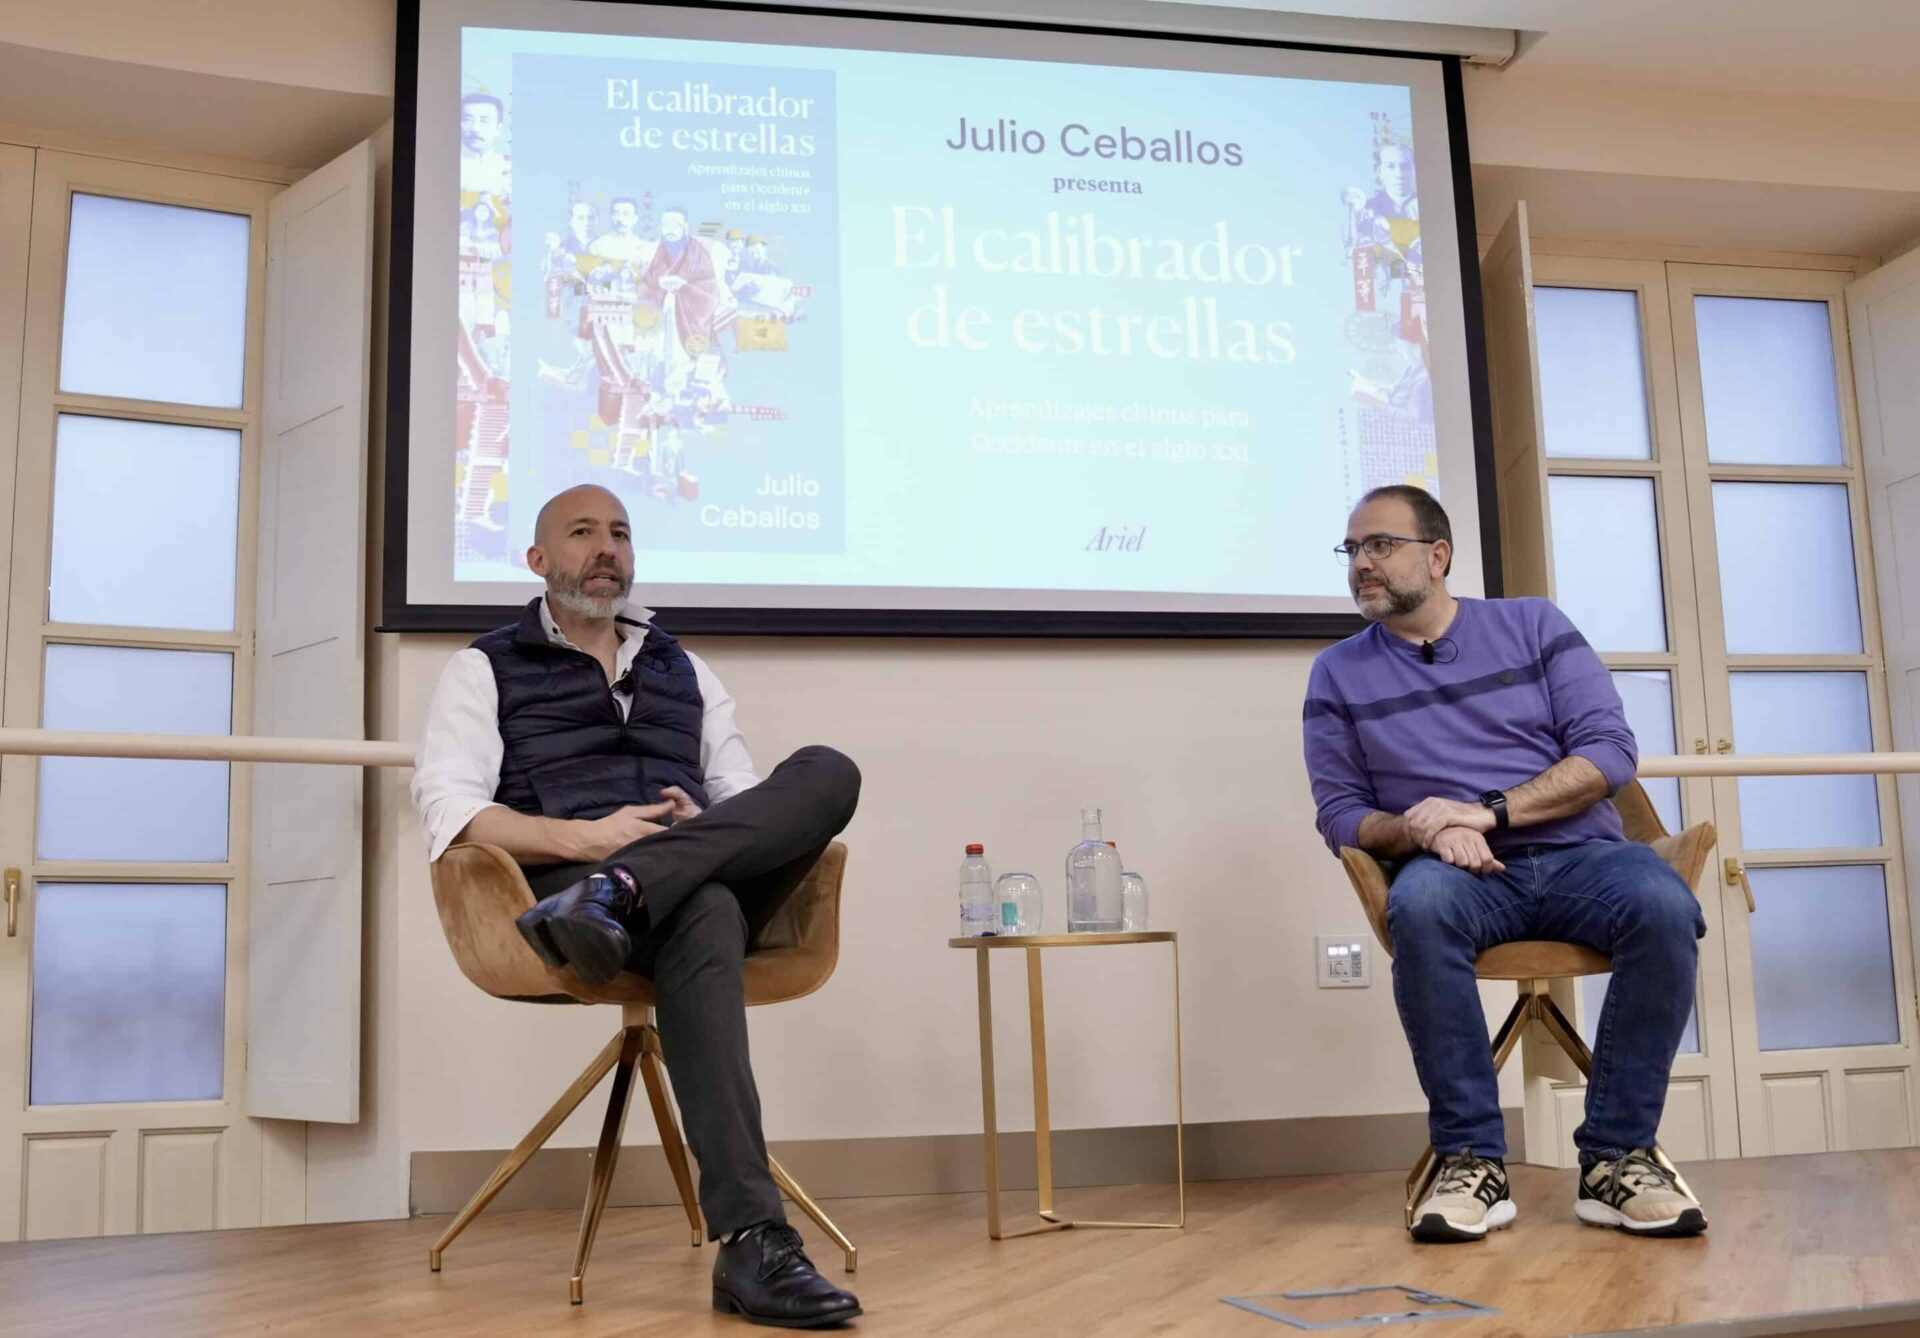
x=458, y=768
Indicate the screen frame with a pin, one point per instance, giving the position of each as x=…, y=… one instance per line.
x=398, y=614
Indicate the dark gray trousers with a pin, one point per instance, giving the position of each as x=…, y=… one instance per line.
x=710, y=885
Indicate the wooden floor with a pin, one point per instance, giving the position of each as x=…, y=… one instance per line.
x=1789, y=1234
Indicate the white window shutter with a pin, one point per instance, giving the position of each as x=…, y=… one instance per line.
x=1883, y=319
x=303, y=995
x=1519, y=431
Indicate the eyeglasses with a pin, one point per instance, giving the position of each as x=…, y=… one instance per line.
x=1378, y=547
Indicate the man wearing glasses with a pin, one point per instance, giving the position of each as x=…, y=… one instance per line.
x=1472, y=745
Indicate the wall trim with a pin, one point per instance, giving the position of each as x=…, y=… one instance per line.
x=126, y=151
x=1679, y=253
x=832, y=1168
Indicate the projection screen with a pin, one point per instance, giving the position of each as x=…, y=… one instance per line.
x=889, y=325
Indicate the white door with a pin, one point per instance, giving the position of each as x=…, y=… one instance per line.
x=1617, y=493
x=122, y=999
x=1594, y=515
x=1820, y=969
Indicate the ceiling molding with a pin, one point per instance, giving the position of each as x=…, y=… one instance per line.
x=129, y=151
x=156, y=110
x=1197, y=18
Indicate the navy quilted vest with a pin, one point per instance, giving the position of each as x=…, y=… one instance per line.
x=569, y=754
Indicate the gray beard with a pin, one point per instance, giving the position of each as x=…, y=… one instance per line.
x=586, y=605
x=569, y=596
x=1398, y=602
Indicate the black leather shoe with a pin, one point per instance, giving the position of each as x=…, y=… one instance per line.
x=583, y=927
x=766, y=1276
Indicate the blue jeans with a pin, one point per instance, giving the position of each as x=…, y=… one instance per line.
x=1616, y=897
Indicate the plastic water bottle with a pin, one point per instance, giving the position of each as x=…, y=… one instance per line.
x=1020, y=903
x=978, y=911
x=1093, y=881
x=1133, y=902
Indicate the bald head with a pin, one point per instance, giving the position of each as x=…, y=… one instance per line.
x=583, y=549
x=588, y=501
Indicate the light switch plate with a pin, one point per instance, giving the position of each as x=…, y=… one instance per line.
x=1342, y=961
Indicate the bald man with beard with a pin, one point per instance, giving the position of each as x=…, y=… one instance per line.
x=589, y=745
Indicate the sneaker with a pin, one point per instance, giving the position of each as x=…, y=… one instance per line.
x=1638, y=1194
x=1469, y=1199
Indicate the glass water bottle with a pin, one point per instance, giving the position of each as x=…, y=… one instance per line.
x=1093, y=881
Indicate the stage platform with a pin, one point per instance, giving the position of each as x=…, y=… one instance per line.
x=1817, y=1244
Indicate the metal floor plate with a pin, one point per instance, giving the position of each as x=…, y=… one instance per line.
x=1388, y=1303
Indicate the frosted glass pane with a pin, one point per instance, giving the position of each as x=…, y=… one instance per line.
x=1593, y=997
x=129, y=992
x=122, y=808
x=1647, y=695
x=146, y=523
x=1606, y=561
x=1822, y=958
x=1805, y=713
x=1768, y=377
x=1787, y=583
x=156, y=304
x=1593, y=385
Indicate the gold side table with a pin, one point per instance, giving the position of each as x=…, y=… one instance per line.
x=1034, y=944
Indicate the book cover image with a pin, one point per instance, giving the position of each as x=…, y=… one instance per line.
x=676, y=310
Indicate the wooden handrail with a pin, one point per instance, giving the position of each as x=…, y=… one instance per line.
x=206, y=747
x=377, y=753
x=1815, y=764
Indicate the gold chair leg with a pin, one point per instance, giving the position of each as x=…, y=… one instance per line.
x=670, y=1141
x=1508, y=1037
x=1575, y=1045
x=791, y=1188
x=1660, y=1155
x=536, y=1138
x=1419, y=1180
x=605, y=1156
x=1564, y=1034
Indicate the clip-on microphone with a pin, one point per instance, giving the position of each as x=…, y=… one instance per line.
x=1441, y=650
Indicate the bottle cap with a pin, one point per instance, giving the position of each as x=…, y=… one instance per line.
x=976, y=849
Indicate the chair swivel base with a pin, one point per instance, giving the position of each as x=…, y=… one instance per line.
x=635, y=1047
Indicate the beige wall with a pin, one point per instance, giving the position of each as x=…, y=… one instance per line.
x=345, y=46
x=1193, y=752
x=1529, y=118
x=1192, y=749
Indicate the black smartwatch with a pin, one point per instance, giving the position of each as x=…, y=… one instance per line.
x=1497, y=801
